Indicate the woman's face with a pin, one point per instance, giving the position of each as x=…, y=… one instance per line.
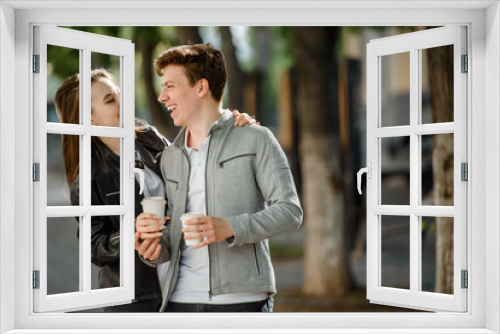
x=105, y=102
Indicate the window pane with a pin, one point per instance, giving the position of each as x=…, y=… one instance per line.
x=106, y=171
x=94, y=281
x=58, y=193
x=63, y=255
x=105, y=252
x=395, y=252
x=438, y=169
x=395, y=89
x=105, y=91
x=437, y=84
x=62, y=66
x=395, y=168
x=437, y=254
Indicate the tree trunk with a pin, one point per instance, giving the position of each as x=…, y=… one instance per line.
x=159, y=115
x=236, y=77
x=326, y=267
x=189, y=35
x=440, y=62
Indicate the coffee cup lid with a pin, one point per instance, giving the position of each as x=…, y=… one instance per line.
x=194, y=214
x=153, y=198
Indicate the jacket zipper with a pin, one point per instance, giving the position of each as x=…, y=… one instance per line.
x=113, y=193
x=221, y=164
x=210, y=295
x=171, y=287
x=176, y=262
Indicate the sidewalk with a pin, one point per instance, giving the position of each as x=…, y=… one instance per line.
x=289, y=274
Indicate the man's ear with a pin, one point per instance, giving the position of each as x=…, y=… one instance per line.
x=203, y=87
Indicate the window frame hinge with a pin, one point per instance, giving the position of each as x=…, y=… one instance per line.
x=464, y=279
x=465, y=64
x=36, y=63
x=464, y=171
x=36, y=172
x=36, y=279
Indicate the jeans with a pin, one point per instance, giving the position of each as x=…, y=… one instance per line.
x=265, y=305
x=150, y=305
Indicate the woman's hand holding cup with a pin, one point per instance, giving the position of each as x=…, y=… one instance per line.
x=149, y=225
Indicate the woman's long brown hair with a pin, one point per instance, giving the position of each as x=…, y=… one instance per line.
x=67, y=101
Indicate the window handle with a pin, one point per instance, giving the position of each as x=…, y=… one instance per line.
x=368, y=171
x=134, y=170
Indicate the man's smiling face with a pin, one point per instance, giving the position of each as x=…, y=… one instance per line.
x=178, y=95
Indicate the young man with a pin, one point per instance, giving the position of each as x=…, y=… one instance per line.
x=238, y=177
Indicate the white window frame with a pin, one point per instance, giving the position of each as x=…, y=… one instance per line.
x=483, y=21
x=85, y=43
x=413, y=44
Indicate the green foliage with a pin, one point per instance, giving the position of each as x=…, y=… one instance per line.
x=429, y=226
x=281, y=59
x=63, y=62
x=277, y=250
x=358, y=29
x=150, y=35
x=286, y=38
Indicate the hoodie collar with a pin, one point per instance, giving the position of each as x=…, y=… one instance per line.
x=223, y=121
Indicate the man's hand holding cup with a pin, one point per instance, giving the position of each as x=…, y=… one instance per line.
x=200, y=230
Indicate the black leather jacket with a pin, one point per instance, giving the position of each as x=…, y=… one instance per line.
x=105, y=183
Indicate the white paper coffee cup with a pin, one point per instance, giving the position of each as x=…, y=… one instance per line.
x=155, y=204
x=190, y=215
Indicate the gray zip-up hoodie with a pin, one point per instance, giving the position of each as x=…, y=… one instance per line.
x=249, y=183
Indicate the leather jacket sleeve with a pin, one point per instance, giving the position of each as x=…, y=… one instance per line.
x=105, y=235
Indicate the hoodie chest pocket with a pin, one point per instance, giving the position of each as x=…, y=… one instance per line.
x=239, y=162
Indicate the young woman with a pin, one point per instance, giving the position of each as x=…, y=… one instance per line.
x=105, y=182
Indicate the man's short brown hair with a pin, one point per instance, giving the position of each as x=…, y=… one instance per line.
x=200, y=61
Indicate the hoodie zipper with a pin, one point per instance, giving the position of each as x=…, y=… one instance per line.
x=210, y=294
x=176, y=263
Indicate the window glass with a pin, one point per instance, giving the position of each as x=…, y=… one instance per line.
x=395, y=252
x=395, y=167
x=59, y=172
x=438, y=170
x=438, y=77
x=437, y=245
x=57, y=72
x=395, y=89
x=106, y=252
x=106, y=166
x=63, y=255
x=105, y=90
